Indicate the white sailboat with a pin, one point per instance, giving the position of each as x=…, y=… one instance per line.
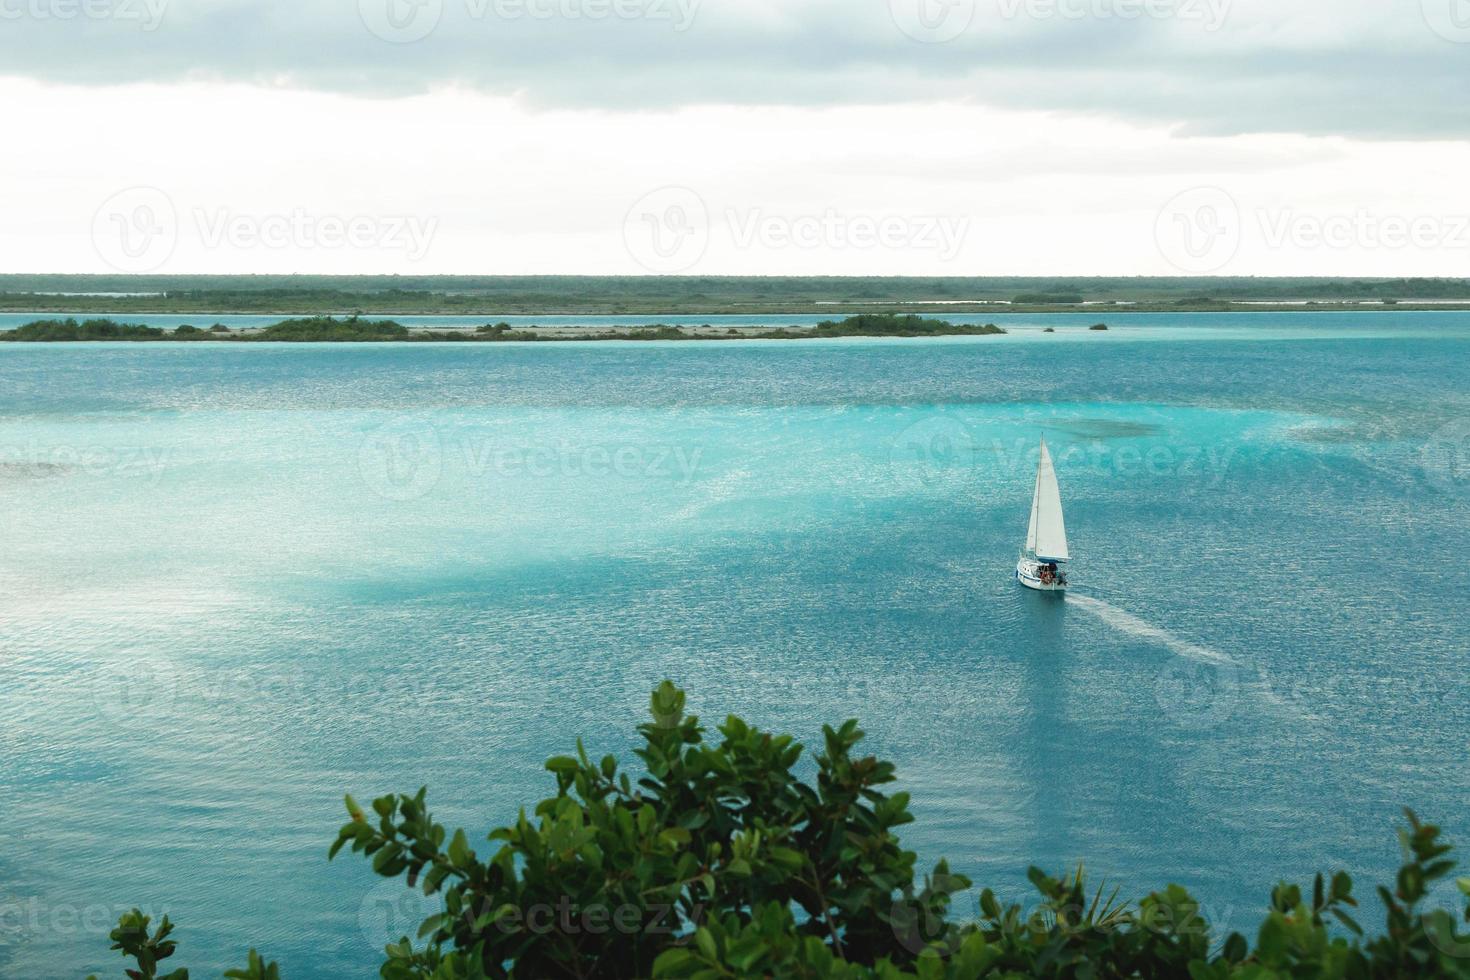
x=1040, y=564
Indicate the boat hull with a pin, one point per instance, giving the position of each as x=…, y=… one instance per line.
x=1028, y=573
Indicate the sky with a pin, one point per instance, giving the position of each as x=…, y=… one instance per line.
x=735, y=137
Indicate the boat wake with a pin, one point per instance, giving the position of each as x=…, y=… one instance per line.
x=1229, y=680
x=1126, y=622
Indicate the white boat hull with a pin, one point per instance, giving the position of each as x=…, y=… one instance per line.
x=1028, y=573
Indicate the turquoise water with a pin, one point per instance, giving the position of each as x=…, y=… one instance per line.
x=238, y=581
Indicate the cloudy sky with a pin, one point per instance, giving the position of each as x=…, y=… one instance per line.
x=950, y=137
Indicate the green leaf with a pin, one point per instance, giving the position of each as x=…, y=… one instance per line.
x=674, y=837
x=988, y=905
x=1272, y=941
x=671, y=961
x=1348, y=921
x=432, y=924
x=666, y=704
x=460, y=854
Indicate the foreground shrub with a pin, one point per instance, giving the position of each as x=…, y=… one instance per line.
x=720, y=862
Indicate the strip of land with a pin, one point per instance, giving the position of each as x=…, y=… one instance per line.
x=354, y=329
x=493, y=296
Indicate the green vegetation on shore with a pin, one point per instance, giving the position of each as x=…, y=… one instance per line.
x=90, y=330
x=1049, y=299
x=71, y=330
x=721, y=860
x=667, y=295
x=310, y=329
x=890, y=325
x=326, y=329
x=329, y=329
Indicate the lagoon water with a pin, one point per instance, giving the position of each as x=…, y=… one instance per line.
x=237, y=581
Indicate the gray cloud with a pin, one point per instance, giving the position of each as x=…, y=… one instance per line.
x=1375, y=69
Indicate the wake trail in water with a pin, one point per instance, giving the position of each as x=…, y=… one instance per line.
x=1238, y=673
x=1126, y=622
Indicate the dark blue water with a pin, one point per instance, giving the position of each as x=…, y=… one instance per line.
x=236, y=582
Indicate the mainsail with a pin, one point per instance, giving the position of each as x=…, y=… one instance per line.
x=1047, y=535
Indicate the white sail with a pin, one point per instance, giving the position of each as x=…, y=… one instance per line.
x=1047, y=535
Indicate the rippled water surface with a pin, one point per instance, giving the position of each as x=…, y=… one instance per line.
x=237, y=581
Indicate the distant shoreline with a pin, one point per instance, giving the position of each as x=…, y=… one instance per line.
x=320, y=329
x=836, y=310
x=693, y=295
